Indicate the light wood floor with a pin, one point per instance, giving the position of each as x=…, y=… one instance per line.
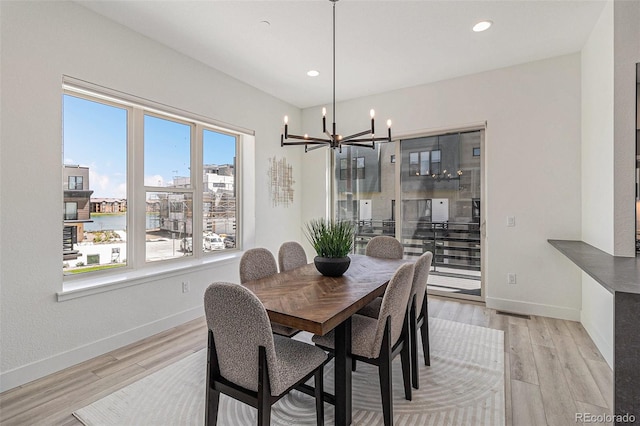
x=552, y=370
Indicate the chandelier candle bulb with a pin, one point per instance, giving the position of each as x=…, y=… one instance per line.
x=324, y=120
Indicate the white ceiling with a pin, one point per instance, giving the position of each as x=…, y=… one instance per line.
x=381, y=45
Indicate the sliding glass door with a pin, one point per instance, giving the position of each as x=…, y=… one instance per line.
x=426, y=192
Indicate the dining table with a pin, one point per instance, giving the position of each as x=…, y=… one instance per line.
x=304, y=299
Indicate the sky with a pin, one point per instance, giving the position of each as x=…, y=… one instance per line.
x=95, y=136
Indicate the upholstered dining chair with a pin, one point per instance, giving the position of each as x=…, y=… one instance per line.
x=379, y=341
x=385, y=247
x=247, y=362
x=259, y=263
x=417, y=312
x=291, y=256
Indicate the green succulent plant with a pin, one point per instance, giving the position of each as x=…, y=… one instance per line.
x=330, y=238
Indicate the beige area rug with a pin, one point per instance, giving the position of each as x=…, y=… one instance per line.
x=463, y=386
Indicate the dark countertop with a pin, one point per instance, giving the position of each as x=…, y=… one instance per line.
x=615, y=273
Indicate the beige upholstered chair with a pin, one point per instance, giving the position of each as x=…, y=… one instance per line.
x=259, y=263
x=378, y=341
x=246, y=361
x=291, y=256
x=418, y=314
x=385, y=247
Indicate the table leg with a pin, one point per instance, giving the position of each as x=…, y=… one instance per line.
x=343, y=373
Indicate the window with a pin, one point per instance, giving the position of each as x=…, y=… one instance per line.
x=182, y=186
x=476, y=151
x=419, y=163
x=343, y=168
x=357, y=169
x=70, y=210
x=75, y=182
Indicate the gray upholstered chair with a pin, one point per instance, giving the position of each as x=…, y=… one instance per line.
x=259, y=263
x=246, y=361
x=418, y=313
x=291, y=256
x=385, y=247
x=378, y=341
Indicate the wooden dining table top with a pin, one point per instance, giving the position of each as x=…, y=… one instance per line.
x=302, y=298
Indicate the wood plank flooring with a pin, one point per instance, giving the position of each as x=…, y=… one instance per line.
x=552, y=370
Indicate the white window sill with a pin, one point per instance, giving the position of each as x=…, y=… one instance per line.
x=86, y=286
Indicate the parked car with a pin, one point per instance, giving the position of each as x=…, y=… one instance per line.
x=229, y=241
x=213, y=242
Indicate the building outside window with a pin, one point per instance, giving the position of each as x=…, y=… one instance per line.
x=75, y=182
x=70, y=210
x=184, y=194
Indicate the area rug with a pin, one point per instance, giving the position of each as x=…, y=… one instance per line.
x=463, y=386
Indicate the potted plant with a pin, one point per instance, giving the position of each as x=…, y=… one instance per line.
x=332, y=241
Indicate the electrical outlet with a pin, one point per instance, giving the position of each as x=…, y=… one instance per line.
x=185, y=286
x=511, y=278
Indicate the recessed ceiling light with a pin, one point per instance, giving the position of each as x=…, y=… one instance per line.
x=313, y=73
x=482, y=26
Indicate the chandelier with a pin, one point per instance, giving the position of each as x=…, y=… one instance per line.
x=332, y=139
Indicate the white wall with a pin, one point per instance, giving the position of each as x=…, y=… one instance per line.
x=597, y=316
x=626, y=37
x=597, y=135
x=532, y=164
x=608, y=147
x=41, y=41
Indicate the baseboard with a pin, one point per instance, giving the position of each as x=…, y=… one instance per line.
x=528, y=308
x=38, y=369
x=603, y=344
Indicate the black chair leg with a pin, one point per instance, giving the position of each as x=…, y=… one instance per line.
x=406, y=371
x=413, y=340
x=319, y=386
x=264, y=389
x=424, y=331
x=211, y=412
x=384, y=371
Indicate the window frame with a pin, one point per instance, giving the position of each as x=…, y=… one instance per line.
x=68, y=203
x=75, y=180
x=137, y=263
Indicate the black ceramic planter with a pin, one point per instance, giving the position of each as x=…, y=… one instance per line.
x=332, y=266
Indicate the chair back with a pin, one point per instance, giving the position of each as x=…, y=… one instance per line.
x=257, y=263
x=291, y=256
x=240, y=325
x=384, y=246
x=420, y=277
x=394, y=304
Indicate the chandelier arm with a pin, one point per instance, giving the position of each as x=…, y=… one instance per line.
x=310, y=142
x=307, y=138
x=356, y=135
x=374, y=139
x=361, y=144
x=307, y=149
